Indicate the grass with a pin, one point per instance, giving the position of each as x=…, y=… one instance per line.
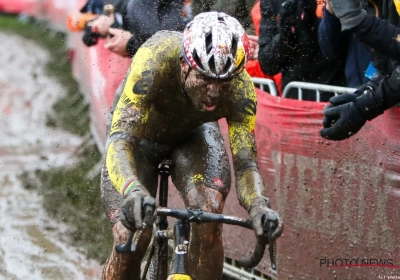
x=69, y=116
x=69, y=194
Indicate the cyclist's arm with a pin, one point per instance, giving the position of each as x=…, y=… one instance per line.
x=249, y=183
x=128, y=122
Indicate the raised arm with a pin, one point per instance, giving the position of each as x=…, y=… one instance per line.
x=379, y=35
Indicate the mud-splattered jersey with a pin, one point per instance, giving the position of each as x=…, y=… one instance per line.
x=151, y=103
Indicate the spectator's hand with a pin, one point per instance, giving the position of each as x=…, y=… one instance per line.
x=117, y=41
x=347, y=120
x=335, y=102
x=102, y=24
x=309, y=7
x=253, y=47
x=288, y=20
x=308, y=13
x=328, y=7
x=349, y=12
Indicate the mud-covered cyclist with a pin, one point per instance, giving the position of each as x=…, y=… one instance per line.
x=176, y=89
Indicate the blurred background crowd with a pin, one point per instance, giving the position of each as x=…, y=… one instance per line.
x=291, y=40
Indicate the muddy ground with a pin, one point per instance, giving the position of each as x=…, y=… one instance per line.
x=33, y=243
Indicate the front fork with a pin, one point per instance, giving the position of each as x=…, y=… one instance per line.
x=181, y=236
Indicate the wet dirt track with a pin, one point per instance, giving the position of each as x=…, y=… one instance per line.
x=32, y=244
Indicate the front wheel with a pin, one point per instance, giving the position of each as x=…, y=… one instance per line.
x=159, y=269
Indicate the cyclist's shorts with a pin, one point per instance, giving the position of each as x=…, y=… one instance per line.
x=201, y=159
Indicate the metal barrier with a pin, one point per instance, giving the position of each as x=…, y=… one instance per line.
x=317, y=87
x=264, y=82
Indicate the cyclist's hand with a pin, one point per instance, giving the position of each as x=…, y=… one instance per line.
x=261, y=215
x=136, y=204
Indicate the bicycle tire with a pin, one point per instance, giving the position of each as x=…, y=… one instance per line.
x=153, y=271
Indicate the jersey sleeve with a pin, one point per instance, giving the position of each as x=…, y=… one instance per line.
x=129, y=120
x=249, y=183
x=242, y=123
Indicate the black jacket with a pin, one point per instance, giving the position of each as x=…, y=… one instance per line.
x=382, y=37
x=380, y=34
x=143, y=18
x=301, y=62
x=337, y=44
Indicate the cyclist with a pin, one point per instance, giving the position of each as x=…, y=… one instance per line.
x=176, y=89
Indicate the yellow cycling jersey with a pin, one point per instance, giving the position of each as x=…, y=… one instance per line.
x=153, y=104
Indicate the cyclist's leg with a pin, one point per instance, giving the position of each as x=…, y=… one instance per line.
x=202, y=176
x=127, y=266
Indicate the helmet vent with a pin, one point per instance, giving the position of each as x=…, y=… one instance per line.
x=197, y=59
x=211, y=64
x=227, y=66
x=209, y=45
x=234, y=46
x=221, y=19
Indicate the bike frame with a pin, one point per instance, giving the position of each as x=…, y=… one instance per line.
x=181, y=235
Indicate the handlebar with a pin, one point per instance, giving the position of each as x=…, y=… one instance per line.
x=198, y=216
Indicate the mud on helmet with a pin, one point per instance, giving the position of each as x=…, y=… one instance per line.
x=216, y=45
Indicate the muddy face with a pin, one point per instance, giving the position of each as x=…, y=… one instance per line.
x=206, y=93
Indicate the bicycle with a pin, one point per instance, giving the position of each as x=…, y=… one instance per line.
x=157, y=253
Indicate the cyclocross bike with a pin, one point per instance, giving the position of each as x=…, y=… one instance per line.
x=155, y=263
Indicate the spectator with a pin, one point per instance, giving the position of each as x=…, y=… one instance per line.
x=289, y=45
x=253, y=66
x=91, y=10
x=246, y=12
x=135, y=21
x=347, y=114
x=240, y=9
x=335, y=44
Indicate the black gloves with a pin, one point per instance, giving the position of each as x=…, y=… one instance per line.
x=351, y=97
x=294, y=17
x=343, y=121
x=349, y=12
x=346, y=115
x=90, y=38
x=137, y=206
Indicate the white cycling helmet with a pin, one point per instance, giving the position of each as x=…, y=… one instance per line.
x=216, y=45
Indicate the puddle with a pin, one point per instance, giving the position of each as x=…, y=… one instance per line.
x=32, y=245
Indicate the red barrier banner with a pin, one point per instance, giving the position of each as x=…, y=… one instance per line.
x=99, y=73
x=28, y=7
x=339, y=200
x=56, y=12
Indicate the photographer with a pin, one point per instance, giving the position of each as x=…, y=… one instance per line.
x=134, y=21
x=289, y=44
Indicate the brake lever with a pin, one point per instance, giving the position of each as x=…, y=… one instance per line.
x=272, y=247
x=148, y=211
x=131, y=244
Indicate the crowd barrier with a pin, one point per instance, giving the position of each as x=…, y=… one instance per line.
x=338, y=200
x=300, y=86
